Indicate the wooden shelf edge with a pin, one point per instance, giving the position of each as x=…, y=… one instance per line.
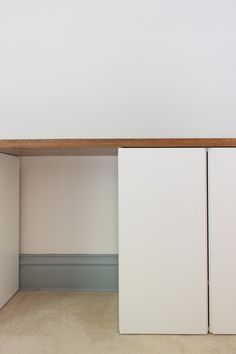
x=123, y=142
x=25, y=147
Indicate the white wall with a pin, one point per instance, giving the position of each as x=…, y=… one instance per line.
x=73, y=68
x=69, y=204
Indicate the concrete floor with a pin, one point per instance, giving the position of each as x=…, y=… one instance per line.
x=74, y=323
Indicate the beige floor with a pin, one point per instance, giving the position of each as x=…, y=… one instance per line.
x=72, y=323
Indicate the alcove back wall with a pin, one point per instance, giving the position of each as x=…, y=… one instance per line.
x=68, y=223
x=69, y=205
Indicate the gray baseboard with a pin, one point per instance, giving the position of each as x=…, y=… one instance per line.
x=83, y=272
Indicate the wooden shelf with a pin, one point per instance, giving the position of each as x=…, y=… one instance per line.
x=48, y=147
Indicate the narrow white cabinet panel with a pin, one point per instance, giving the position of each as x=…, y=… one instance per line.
x=222, y=239
x=9, y=227
x=162, y=241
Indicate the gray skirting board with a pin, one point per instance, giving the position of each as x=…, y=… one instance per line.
x=83, y=272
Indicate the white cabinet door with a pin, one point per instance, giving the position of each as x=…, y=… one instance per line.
x=222, y=239
x=9, y=227
x=163, y=241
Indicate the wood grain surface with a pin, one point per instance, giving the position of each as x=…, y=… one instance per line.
x=47, y=147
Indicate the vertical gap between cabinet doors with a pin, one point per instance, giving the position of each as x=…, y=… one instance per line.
x=208, y=265
x=20, y=213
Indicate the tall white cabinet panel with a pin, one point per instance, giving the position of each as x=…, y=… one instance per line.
x=9, y=227
x=162, y=241
x=222, y=237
